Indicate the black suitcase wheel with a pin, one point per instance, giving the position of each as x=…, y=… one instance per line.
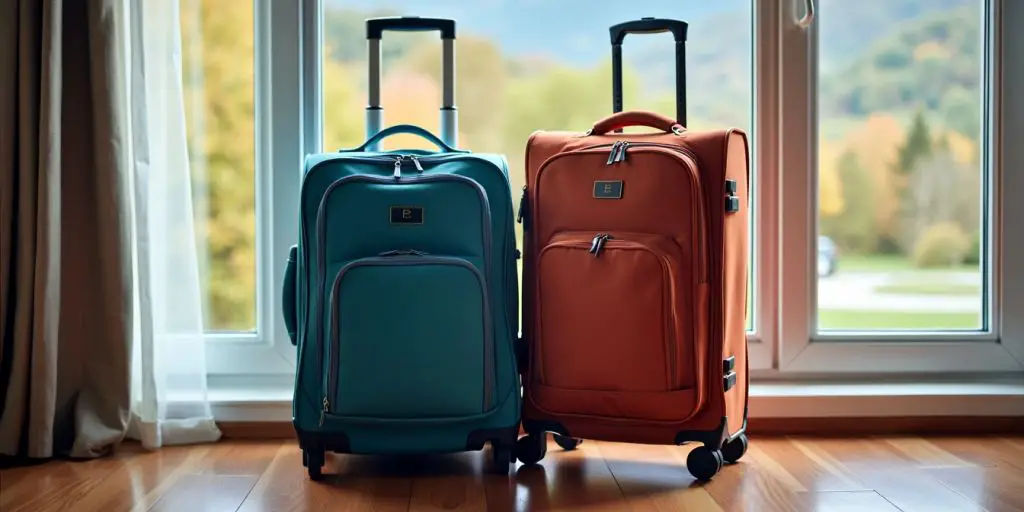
x=734, y=450
x=567, y=443
x=314, y=460
x=502, y=458
x=531, y=448
x=704, y=463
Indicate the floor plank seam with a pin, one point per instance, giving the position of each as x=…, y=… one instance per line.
x=887, y=500
x=255, y=482
x=969, y=499
x=604, y=459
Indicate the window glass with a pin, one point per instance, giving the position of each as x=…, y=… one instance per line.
x=521, y=67
x=901, y=166
x=217, y=70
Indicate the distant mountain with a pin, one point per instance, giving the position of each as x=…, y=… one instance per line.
x=929, y=61
x=847, y=28
x=575, y=31
x=873, y=54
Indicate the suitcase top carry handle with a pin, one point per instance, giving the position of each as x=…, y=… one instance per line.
x=412, y=130
x=621, y=120
x=650, y=26
x=375, y=28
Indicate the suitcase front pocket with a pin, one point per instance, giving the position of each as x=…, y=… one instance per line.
x=410, y=337
x=608, y=318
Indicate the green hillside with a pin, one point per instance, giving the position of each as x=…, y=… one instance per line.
x=933, y=63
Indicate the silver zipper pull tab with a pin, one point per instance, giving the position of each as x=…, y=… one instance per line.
x=324, y=411
x=622, y=152
x=398, y=167
x=613, y=153
x=598, y=243
x=416, y=162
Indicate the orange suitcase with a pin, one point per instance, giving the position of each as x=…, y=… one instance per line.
x=634, y=278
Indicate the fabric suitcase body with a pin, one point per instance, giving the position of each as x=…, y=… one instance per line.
x=404, y=292
x=635, y=273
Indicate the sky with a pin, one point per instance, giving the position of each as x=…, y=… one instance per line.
x=530, y=27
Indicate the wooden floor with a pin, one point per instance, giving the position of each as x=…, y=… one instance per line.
x=785, y=474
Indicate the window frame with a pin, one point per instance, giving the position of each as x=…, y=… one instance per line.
x=288, y=123
x=802, y=348
x=283, y=95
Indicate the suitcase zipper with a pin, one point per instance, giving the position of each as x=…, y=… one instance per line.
x=398, y=165
x=598, y=243
x=618, y=154
x=304, y=284
x=697, y=212
x=406, y=258
x=321, y=263
x=416, y=163
x=626, y=145
x=666, y=265
x=613, y=154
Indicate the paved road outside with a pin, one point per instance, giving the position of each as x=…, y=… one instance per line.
x=856, y=291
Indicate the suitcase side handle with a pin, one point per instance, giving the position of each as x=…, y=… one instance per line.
x=678, y=29
x=375, y=28
x=288, y=299
x=621, y=120
x=412, y=130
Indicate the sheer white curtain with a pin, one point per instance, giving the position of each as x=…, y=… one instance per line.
x=169, y=392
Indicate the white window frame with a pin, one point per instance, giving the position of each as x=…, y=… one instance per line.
x=286, y=94
x=802, y=348
x=288, y=121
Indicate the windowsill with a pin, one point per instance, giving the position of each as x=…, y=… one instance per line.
x=768, y=399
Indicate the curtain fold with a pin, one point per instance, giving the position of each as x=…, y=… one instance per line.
x=170, y=402
x=100, y=317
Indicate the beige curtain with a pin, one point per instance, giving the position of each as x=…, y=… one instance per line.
x=65, y=274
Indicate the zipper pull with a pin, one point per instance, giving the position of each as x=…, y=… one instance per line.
x=622, y=152
x=613, y=153
x=398, y=167
x=598, y=243
x=416, y=162
x=402, y=252
x=324, y=411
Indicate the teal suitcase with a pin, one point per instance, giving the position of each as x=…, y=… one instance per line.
x=402, y=293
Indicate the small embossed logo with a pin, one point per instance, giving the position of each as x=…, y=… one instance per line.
x=608, y=189
x=407, y=215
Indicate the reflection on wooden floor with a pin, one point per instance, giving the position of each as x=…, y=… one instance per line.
x=784, y=474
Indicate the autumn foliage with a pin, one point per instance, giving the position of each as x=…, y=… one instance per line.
x=892, y=180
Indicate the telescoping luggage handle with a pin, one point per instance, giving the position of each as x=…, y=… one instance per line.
x=375, y=28
x=650, y=26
